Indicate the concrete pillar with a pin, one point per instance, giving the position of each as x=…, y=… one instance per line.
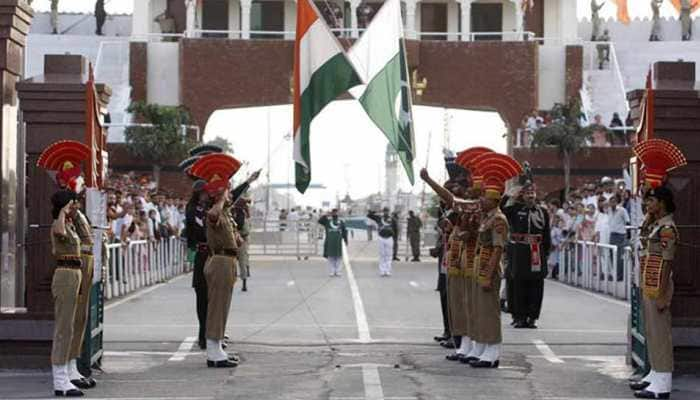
x=353, y=19
x=411, y=18
x=141, y=19
x=15, y=19
x=519, y=18
x=190, y=25
x=466, y=16
x=245, y=18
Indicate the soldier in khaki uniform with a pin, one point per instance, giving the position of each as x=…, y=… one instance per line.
x=493, y=170
x=659, y=238
x=460, y=252
x=82, y=227
x=63, y=159
x=223, y=242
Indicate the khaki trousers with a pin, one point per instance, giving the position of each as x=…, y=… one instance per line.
x=82, y=306
x=487, y=309
x=220, y=273
x=657, y=332
x=64, y=288
x=469, y=304
x=456, y=310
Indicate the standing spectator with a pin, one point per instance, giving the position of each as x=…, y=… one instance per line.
x=283, y=219
x=618, y=130
x=557, y=240
x=414, y=226
x=124, y=223
x=619, y=219
x=293, y=218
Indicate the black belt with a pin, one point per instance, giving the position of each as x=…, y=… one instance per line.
x=69, y=263
x=226, y=252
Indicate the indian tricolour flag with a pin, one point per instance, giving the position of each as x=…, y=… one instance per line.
x=321, y=73
x=379, y=56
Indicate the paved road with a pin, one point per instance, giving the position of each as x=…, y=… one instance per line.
x=304, y=335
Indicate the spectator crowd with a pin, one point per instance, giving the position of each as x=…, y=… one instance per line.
x=136, y=211
x=603, y=212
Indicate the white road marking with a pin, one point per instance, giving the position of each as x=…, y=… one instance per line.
x=143, y=353
x=136, y=398
x=597, y=296
x=547, y=352
x=142, y=292
x=185, y=348
x=372, y=383
x=360, y=316
x=413, y=283
x=290, y=283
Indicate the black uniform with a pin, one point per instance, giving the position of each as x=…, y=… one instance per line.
x=395, y=227
x=529, y=231
x=195, y=216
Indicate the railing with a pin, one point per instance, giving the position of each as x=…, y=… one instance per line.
x=346, y=33
x=184, y=129
x=300, y=239
x=595, y=267
x=142, y=263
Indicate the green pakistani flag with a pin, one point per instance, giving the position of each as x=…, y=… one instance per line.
x=379, y=57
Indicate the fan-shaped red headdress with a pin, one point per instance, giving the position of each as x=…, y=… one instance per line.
x=659, y=157
x=466, y=159
x=496, y=169
x=65, y=158
x=217, y=170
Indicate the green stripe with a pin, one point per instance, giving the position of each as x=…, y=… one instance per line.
x=379, y=101
x=334, y=78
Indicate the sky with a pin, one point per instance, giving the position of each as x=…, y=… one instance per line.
x=637, y=8
x=347, y=150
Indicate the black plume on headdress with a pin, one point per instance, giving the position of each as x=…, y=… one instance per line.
x=454, y=171
x=205, y=149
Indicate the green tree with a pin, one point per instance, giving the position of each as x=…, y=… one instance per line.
x=160, y=139
x=566, y=133
x=222, y=142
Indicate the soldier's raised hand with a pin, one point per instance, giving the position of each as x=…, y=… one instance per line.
x=424, y=174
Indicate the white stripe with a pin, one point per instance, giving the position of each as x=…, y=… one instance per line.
x=597, y=296
x=547, y=352
x=298, y=158
x=133, y=398
x=316, y=47
x=185, y=348
x=413, y=283
x=378, y=45
x=372, y=383
x=290, y=283
x=360, y=316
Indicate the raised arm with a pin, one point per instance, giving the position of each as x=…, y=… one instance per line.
x=443, y=193
x=59, y=228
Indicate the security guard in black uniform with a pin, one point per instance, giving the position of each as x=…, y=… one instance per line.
x=195, y=214
x=527, y=251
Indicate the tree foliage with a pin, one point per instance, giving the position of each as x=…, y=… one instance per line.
x=566, y=133
x=222, y=142
x=164, y=140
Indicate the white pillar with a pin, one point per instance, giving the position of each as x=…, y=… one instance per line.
x=519, y=17
x=466, y=16
x=245, y=18
x=353, y=18
x=190, y=24
x=141, y=19
x=411, y=18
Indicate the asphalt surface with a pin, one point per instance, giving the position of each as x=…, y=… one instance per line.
x=304, y=335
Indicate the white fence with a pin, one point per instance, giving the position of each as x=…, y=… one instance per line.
x=594, y=266
x=142, y=263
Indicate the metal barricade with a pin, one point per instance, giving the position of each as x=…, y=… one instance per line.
x=594, y=266
x=143, y=263
x=285, y=238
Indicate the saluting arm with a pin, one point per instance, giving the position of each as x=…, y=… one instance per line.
x=59, y=228
x=440, y=190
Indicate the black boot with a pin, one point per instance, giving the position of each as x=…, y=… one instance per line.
x=245, y=285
